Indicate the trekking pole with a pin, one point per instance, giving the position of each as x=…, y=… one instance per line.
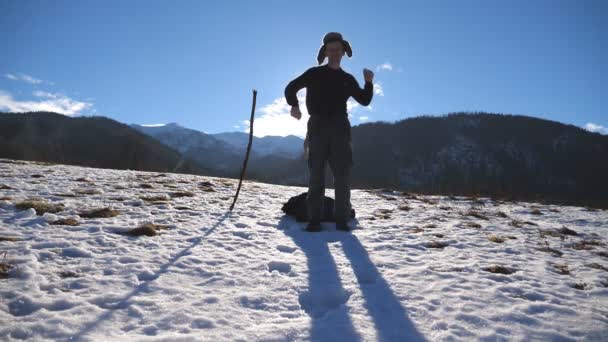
x=255, y=93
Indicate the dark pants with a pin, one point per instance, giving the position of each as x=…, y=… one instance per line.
x=329, y=141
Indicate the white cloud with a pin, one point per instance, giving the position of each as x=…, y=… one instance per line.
x=275, y=119
x=363, y=118
x=378, y=89
x=57, y=102
x=590, y=126
x=385, y=66
x=26, y=78
x=154, y=125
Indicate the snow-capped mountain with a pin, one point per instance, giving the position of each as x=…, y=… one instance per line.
x=196, y=145
x=290, y=146
x=415, y=267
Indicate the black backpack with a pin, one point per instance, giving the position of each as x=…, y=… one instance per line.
x=297, y=207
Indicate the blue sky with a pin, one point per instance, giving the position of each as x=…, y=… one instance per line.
x=196, y=62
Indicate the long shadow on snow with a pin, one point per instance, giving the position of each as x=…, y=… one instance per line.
x=326, y=296
x=143, y=286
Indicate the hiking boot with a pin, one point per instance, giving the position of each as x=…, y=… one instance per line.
x=313, y=227
x=341, y=225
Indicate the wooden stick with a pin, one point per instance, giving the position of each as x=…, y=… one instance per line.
x=255, y=93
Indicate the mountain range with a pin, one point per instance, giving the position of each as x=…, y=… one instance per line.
x=501, y=155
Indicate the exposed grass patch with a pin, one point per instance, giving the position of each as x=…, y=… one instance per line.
x=87, y=191
x=182, y=194
x=65, y=195
x=499, y=269
x=83, y=179
x=553, y=251
x=416, y=230
x=146, y=185
x=561, y=269
x=566, y=231
x=156, y=198
x=404, y=207
x=603, y=254
x=597, y=266
x=147, y=229
x=430, y=225
x=436, y=244
x=586, y=244
x=581, y=286
x=5, y=198
x=496, y=238
x=37, y=176
x=99, y=213
x=5, y=187
x=65, y=222
x=4, y=267
x=206, y=183
x=41, y=207
x=473, y=224
x=427, y=200
x=69, y=274
x=477, y=214
x=9, y=238
x=502, y=214
x=535, y=211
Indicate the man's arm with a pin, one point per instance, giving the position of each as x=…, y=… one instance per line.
x=363, y=96
x=295, y=85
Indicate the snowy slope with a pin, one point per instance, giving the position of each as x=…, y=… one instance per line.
x=255, y=275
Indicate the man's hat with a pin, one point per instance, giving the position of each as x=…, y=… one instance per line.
x=333, y=37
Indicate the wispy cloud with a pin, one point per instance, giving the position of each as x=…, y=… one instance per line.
x=50, y=102
x=26, y=78
x=590, y=126
x=385, y=66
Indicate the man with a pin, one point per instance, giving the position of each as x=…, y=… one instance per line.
x=328, y=88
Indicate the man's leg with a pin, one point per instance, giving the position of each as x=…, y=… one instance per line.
x=318, y=150
x=341, y=162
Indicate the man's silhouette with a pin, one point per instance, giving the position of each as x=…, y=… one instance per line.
x=328, y=87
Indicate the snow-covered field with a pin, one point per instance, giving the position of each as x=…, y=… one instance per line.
x=255, y=275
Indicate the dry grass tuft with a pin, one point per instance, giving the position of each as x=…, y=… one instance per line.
x=497, y=239
x=182, y=194
x=581, y=286
x=99, y=213
x=553, y=251
x=4, y=267
x=147, y=229
x=477, y=214
x=566, y=231
x=436, y=244
x=41, y=207
x=9, y=238
x=561, y=269
x=597, y=266
x=499, y=269
x=65, y=222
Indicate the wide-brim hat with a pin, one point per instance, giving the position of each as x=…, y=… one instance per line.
x=333, y=37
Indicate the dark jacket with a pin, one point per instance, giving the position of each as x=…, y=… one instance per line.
x=327, y=90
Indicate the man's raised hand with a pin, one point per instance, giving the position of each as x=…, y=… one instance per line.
x=368, y=75
x=295, y=112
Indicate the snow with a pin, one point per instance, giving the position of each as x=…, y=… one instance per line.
x=254, y=275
